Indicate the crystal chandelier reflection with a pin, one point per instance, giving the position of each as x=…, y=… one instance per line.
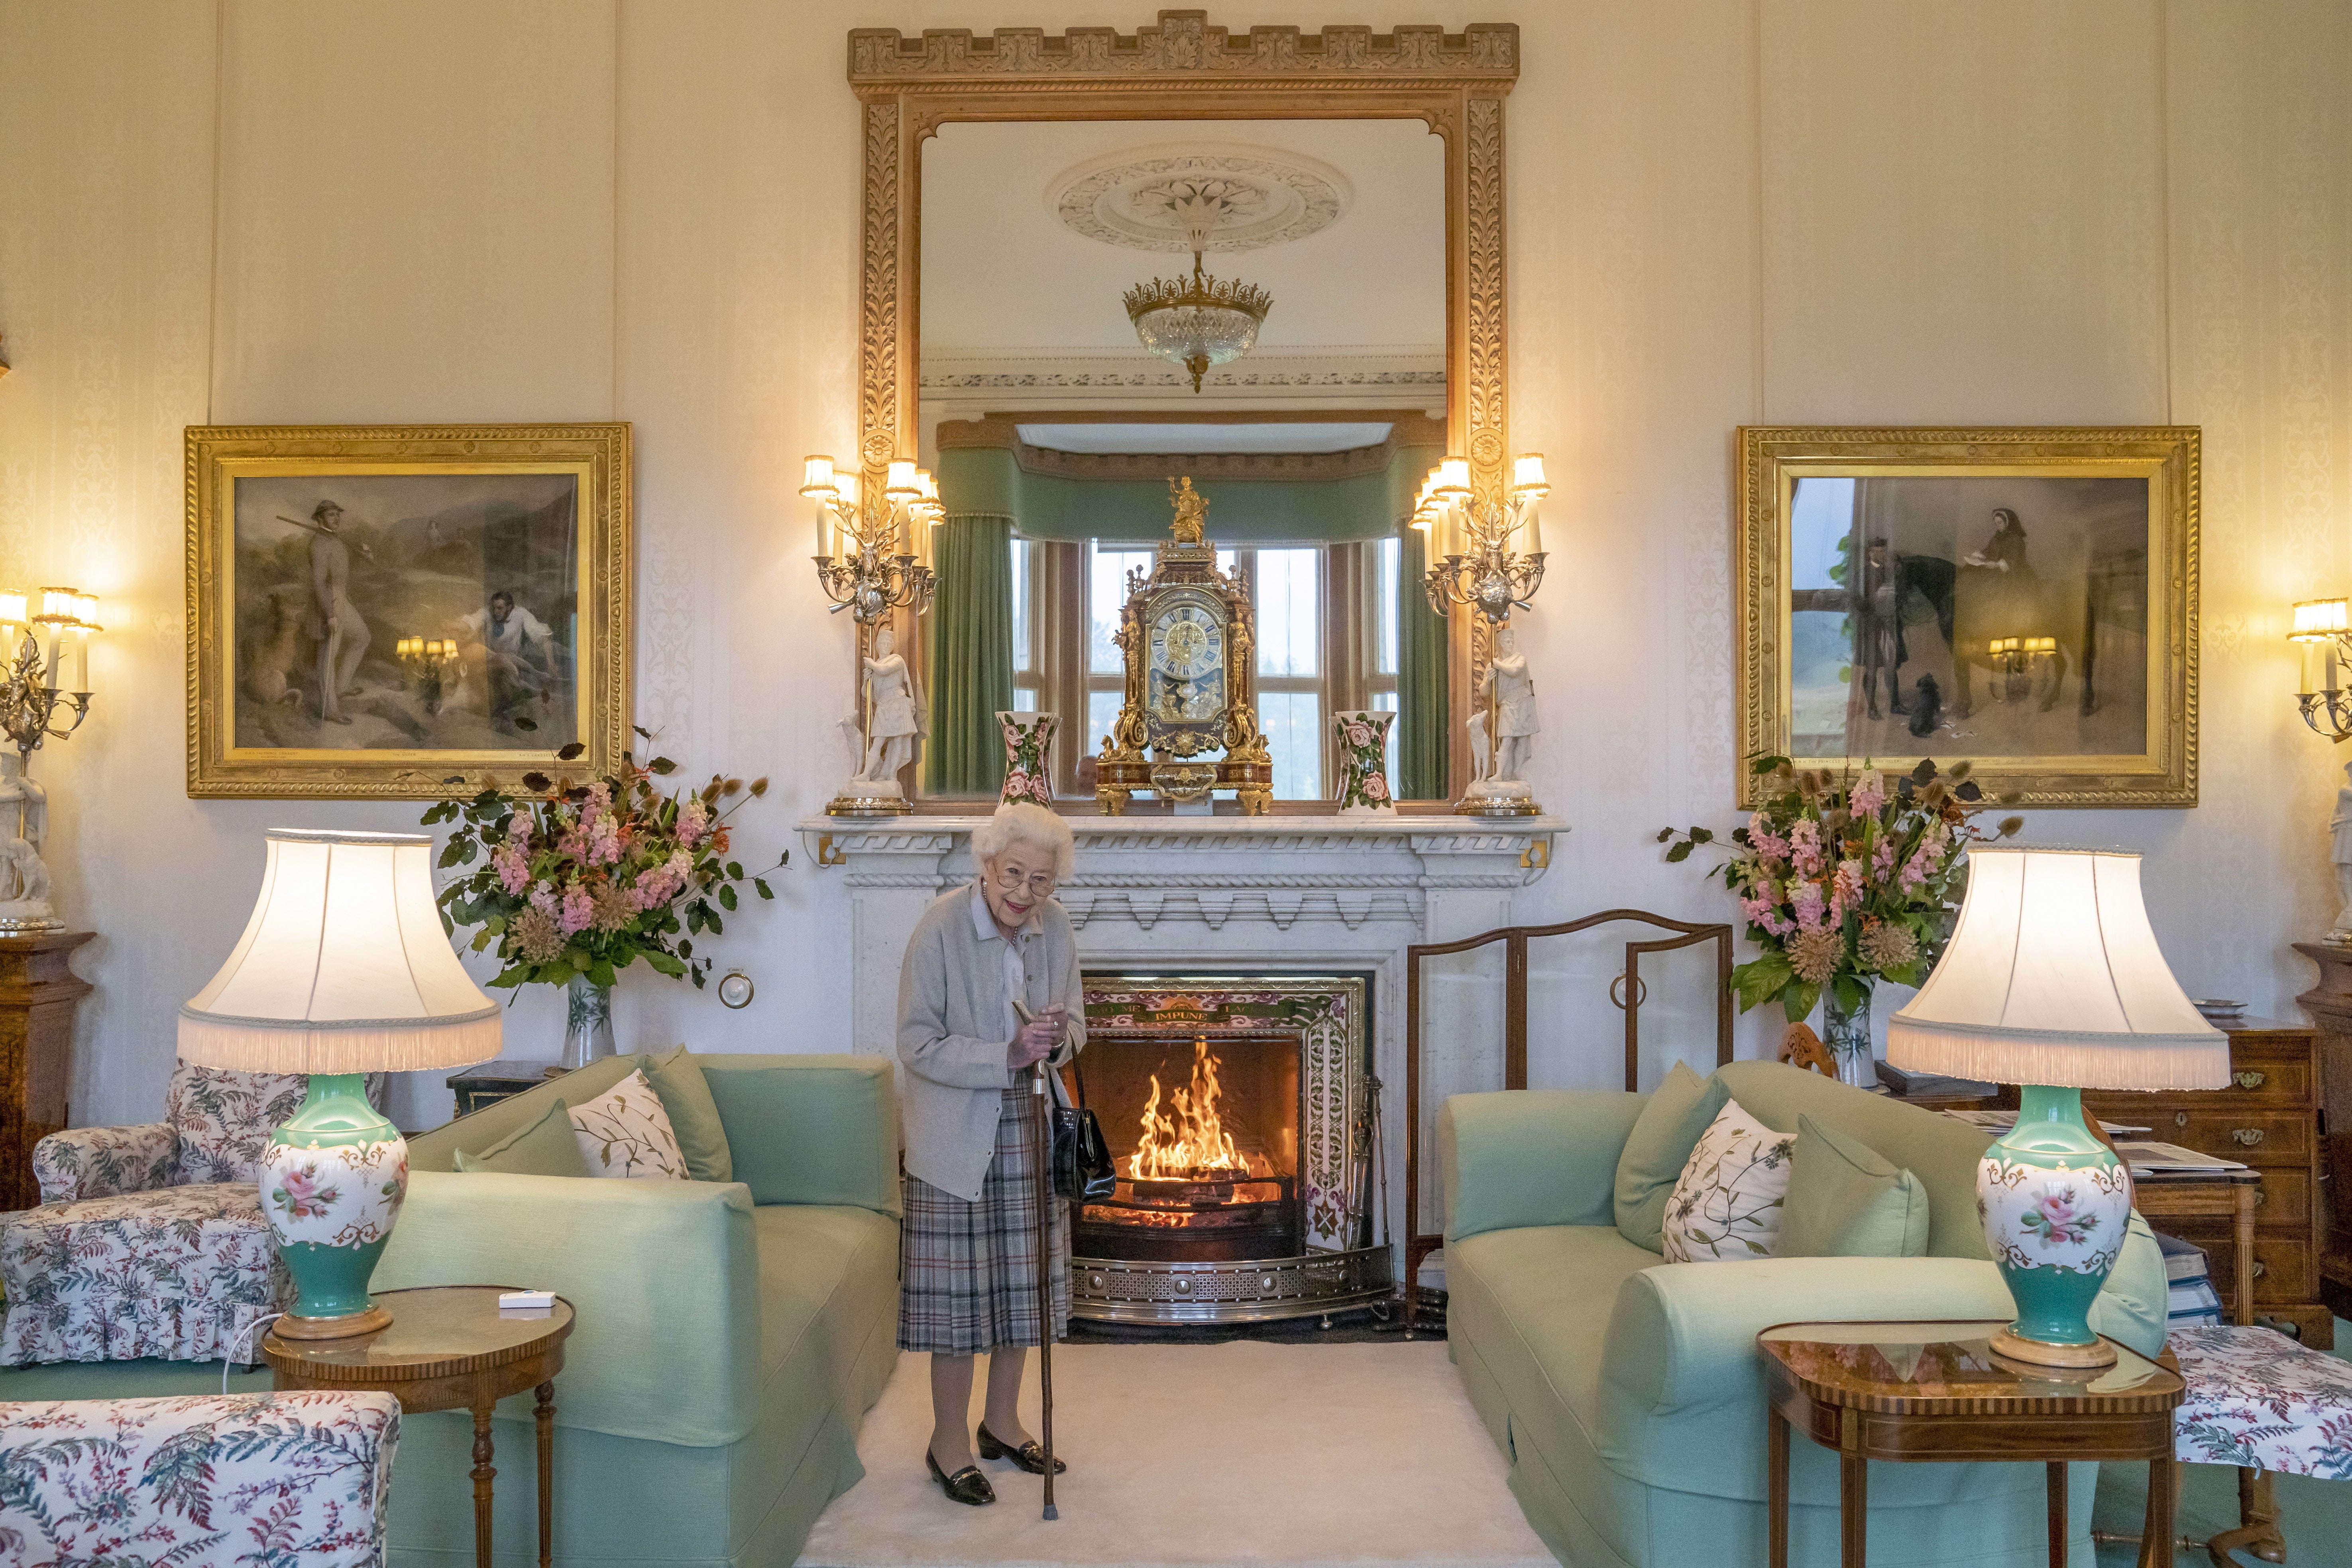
x=1200, y=320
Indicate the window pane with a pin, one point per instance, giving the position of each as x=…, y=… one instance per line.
x=1289, y=614
x=1293, y=722
x=1386, y=702
x=1386, y=561
x=1024, y=658
x=1024, y=700
x=1106, y=596
x=1102, y=712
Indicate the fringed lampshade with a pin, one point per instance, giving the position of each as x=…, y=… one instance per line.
x=343, y=969
x=2052, y=981
x=2053, y=976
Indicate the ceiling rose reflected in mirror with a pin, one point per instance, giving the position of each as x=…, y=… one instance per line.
x=1227, y=197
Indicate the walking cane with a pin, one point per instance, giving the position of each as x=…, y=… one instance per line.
x=1044, y=1141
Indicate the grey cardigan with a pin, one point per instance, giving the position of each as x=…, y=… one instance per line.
x=953, y=1029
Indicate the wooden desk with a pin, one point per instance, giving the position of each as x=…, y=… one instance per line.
x=448, y=1347
x=2204, y=1196
x=1935, y=1392
x=2268, y=1117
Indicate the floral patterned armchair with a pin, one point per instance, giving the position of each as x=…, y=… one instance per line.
x=150, y=1240
x=297, y=1479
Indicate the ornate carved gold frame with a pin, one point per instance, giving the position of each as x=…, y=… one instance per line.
x=1772, y=457
x=1184, y=69
x=219, y=455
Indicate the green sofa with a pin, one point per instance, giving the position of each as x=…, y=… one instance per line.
x=730, y=1335
x=1627, y=1392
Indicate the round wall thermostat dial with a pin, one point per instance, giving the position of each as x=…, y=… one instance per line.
x=735, y=990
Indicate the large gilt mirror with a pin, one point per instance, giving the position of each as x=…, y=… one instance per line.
x=1098, y=264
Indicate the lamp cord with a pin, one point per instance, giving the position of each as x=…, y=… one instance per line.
x=246, y=1335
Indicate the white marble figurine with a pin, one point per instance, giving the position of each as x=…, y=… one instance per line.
x=23, y=877
x=1514, y=692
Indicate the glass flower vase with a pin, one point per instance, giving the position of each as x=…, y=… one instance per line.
x=1845, y=1033
x=587, y=1023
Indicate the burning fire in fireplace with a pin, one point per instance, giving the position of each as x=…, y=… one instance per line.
x=1192, y=1143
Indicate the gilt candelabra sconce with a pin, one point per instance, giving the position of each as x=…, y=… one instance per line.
x=2323, y=632
x=868, y=563
x=866, y=551
x=1470, y=540
x=45, y=650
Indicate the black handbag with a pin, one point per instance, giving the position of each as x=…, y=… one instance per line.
x=1083, y=1171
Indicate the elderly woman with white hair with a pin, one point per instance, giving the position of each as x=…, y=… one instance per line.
x=967, y=1250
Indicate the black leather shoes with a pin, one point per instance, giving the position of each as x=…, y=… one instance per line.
x=1030, y=1457
x=966, y=1486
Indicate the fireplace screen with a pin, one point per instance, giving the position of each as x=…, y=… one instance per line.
x=1205, y=1139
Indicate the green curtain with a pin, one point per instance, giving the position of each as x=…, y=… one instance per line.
x=972, y=655
x=1422, y=685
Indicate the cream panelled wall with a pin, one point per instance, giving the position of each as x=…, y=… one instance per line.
x=1723, y=211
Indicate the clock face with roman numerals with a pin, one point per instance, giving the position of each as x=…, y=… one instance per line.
x=1185, y=649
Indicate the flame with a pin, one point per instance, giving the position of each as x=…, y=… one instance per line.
x=1192, y=1143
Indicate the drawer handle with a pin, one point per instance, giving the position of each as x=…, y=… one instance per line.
x=2252, y=1079
x=2260, y=1197
x=2248, y=1136
x=2261, y=1268
x=2181, y=1119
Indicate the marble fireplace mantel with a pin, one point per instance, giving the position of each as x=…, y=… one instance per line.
x=1264, y=891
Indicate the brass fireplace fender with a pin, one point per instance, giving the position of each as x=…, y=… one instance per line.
x=1184, y=69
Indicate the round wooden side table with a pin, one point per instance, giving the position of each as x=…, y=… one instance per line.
x=1919, y=1391
x=448, y=1347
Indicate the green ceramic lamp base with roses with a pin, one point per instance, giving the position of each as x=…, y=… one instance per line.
x=2053, y=980
x=343, y=969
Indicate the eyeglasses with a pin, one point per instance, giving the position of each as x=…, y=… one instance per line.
x=1039, y=882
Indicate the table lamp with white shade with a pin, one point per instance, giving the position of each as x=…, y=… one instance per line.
x=342, y=970
x=2052, y=981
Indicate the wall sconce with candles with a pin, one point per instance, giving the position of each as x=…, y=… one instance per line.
x=2323, y=632
x=45, y=649
x=432, y=663
x=872, y=562
x=1473, y=565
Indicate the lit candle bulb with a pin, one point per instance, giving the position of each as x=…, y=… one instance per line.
x=81, y=659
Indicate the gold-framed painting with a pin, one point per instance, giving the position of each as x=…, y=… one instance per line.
x=405, y=612
x=2023, y=598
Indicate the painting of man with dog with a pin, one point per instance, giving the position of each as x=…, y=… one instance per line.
x=338, y=576
x=405, y=611
x=2019, y=596
x=1978, y=615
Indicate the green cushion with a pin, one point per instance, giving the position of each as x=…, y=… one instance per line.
x=1658, y=1148
x=548, y=1147
x=1847, y=1200
x=684, y=1095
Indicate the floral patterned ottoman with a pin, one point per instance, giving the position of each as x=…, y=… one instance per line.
x=179, y=1273
x=295, y=1480
x=2258, y=1399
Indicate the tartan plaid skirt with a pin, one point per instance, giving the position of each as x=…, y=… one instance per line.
x=968, y=1271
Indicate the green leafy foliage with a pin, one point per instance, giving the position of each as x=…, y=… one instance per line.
x=585, y=877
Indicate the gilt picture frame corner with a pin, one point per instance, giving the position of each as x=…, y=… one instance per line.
x=405, y=612
x=2020, y=597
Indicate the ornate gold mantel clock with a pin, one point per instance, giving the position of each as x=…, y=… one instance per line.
x=1190, y=647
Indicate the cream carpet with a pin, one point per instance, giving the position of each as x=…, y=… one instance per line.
x=1314, y=1456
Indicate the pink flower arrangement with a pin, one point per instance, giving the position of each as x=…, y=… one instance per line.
x=1863, y=875
x=583, y=880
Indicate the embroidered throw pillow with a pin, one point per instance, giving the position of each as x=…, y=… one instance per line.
x=624, y=1132
x=1726, y=1206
